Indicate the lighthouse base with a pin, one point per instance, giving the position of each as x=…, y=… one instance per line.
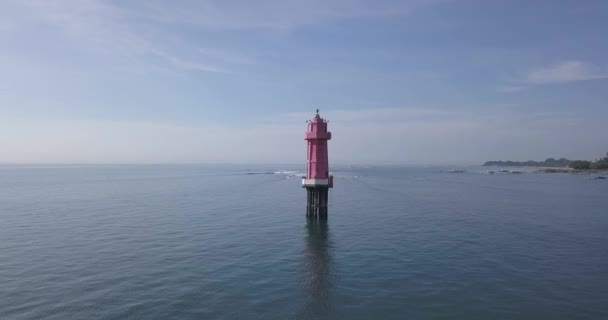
x=317, y=202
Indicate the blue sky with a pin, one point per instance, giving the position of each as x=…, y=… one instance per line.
x=402, y=82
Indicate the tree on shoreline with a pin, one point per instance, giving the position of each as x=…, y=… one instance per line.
x=550, y=162
x=585, y=165
x=601, y=164
x=580, y=164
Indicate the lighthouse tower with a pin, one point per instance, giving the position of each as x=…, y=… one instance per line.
x=317, y=181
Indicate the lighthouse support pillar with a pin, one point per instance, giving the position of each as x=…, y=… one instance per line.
x=317, y=202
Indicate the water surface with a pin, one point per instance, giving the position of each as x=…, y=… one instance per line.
x=232, y=242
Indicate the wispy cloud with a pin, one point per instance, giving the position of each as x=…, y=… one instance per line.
x=561, y=72
x=86, y=23
x=566, y=71
x=139, y=29
x=104, y=30
x=184, y=64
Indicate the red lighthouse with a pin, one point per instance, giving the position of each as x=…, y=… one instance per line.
x=317, y=181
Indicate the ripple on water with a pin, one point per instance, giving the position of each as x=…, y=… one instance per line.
x=192, y=242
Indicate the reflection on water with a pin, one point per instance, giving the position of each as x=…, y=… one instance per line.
x=318, y=269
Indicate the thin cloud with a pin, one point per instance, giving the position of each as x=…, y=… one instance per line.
x=566, y=71
x=137, y=30
x=561, y=72
x=101, y=29
x=184, y=64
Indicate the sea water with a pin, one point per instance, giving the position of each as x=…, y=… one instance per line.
x=233, y=242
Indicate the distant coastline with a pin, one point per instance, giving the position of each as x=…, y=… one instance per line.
x=551, y=163
x=561, y=165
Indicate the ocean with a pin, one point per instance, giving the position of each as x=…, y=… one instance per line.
x=233, y=242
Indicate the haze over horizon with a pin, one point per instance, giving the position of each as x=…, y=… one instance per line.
x=401, y=82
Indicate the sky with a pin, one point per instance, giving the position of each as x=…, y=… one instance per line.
x=219, y=81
